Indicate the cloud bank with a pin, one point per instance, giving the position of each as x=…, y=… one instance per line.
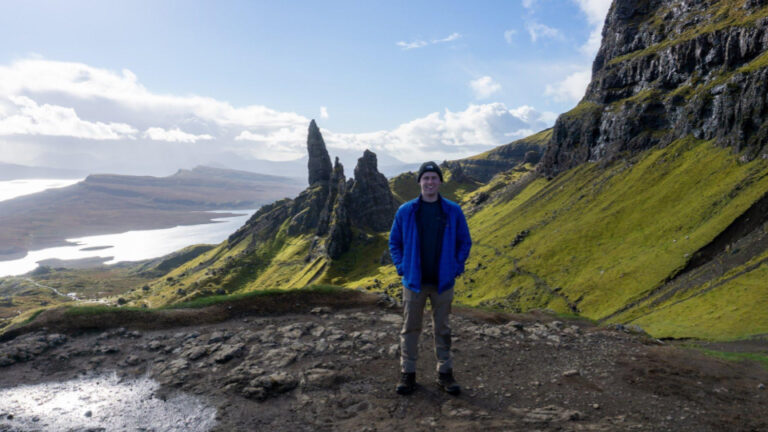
x=72, y=115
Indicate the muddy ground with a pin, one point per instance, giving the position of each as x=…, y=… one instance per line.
x=335, y=367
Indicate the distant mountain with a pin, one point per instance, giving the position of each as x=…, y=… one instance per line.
x=104, y=203
x=13, y=172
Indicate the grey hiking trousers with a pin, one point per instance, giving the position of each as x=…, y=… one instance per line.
x=413, y=316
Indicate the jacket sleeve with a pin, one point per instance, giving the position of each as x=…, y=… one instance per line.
x=396, y=244
x=463, y=243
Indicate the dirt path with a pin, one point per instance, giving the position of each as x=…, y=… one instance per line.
x=335, y=369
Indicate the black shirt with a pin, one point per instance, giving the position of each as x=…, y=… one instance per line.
x=429, y=224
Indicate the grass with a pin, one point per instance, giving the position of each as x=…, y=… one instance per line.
x=603, y=238
x=218, y=299
x=759, y=358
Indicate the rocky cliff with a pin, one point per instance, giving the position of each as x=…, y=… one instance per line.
x=667, y=70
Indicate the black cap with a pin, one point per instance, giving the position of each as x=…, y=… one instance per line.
x=429, y=166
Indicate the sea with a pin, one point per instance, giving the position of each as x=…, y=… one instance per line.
x=113, y=248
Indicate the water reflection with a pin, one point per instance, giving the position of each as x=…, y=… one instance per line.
x=16, y=188
x=104, y=402
x=131, y=245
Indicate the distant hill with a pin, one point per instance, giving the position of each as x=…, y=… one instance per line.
x=103, y=204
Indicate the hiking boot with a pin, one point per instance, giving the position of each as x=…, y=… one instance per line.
x=407, y=383
x=446, y=382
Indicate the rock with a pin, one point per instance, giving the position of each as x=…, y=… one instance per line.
x=548, y=414
x=6, y=360
x=571, y=373
x=394, y=351
x=228, y=352
x=56, y=339
x=176, y=366
x=371, y=203
x=319, y=378
x=321, y=310
x=761, y=386
x=279, y=357
x=392, y=319
x=89, y=413
x=132, y=360
x=491, y=331
x=262, y=387
x=218, y=336
x=319, y=163
x=195, y=352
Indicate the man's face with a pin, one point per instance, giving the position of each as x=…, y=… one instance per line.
x=430, y=184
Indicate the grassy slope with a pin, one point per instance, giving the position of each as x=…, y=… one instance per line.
x=604, y=238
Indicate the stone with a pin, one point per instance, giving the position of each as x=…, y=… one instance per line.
x=6, y=360
x=321, y=310
x=132, y=360
x=547, y=414
x=571, y=373
x=228, y=352
x=176, y=366
x=319, y=163
x=371, y=203
x=319, y=378
x=195, y=352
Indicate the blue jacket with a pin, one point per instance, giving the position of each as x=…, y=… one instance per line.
x=404, y=244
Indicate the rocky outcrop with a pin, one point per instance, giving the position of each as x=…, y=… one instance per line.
x=482, y=168
x=666, y=70
x=371, y=202
x=339, y=223
x=330, y=208
x=319, y=162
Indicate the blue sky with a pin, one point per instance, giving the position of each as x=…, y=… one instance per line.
x=427, y=79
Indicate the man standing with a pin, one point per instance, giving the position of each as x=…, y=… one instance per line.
x=429, y=244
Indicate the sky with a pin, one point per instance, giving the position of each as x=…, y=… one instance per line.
x=149, y=87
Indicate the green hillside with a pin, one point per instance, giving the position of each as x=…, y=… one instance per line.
x=603, y=240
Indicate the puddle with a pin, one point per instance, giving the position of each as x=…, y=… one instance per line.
x=105, y=403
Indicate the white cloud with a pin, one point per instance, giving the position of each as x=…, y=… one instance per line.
x=84, y=107
x=595, y=10
x=323, y=112
x=451, y=38
x=484, y=87
x=538, y=31
x=528, y=4
x=174, y=135
x=419, y=43
x=283, y=144
x=509, y=36
x=448, y=135
x=31, y=118
x=571, y=89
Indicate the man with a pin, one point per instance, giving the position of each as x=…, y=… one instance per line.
x=429, y=244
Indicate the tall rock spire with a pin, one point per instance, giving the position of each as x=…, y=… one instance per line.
x=319, y=162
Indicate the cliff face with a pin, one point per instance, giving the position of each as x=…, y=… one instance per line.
x=666, y=70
